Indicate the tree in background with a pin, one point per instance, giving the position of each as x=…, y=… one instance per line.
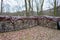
x=55, y=11
x=37, y=7
x=1, y=6
x=42, y=2
x=56, y=7
x=29, y=4
x=54, y=4
x=49, y=7
x=26, y=7
x=32, y=5
x=29, y=9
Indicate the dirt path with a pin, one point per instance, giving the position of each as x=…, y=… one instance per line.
x=35, y=33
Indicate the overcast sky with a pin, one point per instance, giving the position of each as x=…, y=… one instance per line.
x=14, y=5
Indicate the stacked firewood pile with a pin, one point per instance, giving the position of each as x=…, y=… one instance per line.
x=11, y=23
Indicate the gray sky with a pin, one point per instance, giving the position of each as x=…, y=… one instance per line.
x=14, y=5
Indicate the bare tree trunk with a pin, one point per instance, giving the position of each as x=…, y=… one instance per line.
x=55, y=8
x=37, y=7
x=42, y=7
x=1, y=6
x=54, y=4
x=26, y=7
x=49, y=7
x=29, y=2
x=37, y=10
x=32, y=5
x=29, y=5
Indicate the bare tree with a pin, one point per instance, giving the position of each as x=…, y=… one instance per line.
x=42, y=2
x=55, y=11
x=49, y=6
x=37, y=7
x=32, y=5
x=54, y=4
x=26, y=7
x=1, y=6
x=29, y=4
x=29, y=9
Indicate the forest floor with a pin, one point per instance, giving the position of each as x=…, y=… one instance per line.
x=35, y=33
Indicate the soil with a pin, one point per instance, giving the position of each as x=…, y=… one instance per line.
x=35, y=33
